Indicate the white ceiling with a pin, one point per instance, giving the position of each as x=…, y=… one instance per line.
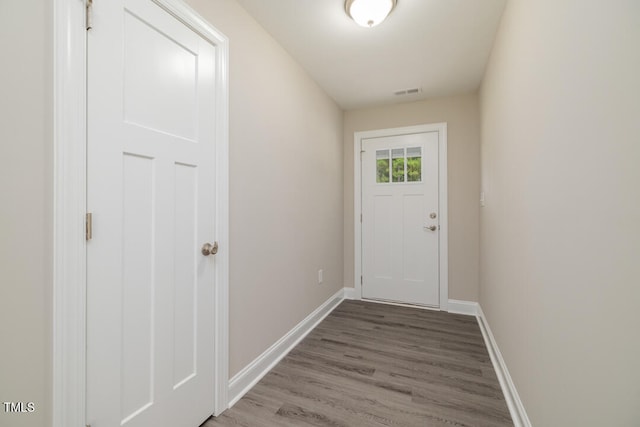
x=440, y=46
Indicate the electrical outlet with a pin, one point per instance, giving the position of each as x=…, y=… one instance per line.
x=320, y=279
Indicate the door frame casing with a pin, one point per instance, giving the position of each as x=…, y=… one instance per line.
x=443, y=248
x=69, y=207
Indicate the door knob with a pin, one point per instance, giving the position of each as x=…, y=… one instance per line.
x=432, y=227
x=209, y=249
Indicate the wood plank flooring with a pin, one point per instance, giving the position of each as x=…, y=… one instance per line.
x=371, y=365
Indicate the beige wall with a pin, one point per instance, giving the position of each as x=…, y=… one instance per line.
x=560, y=233
x=462, y=116
x=286, y=187
x=25, y=210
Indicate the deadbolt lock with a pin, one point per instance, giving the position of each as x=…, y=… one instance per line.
x=433, y=215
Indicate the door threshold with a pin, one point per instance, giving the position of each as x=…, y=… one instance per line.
x=402, y=304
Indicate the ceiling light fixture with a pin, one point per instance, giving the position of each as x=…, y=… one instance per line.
x=369, y=13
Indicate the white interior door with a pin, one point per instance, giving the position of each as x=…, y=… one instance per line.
x=151, y=190
x=400, y=218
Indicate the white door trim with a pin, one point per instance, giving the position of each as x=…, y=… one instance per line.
x=441, y=128
x=69, y=206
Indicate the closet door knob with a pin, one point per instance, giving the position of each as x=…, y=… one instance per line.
x=209, y=249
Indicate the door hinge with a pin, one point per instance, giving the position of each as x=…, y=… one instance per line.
x=88, y=226
x=361, y=280
x=360, y=217
x=89, y=10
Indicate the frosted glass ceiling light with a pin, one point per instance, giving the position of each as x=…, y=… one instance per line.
x=369, y=13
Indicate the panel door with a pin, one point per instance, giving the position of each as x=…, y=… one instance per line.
x=151, y=189
x=400, y=232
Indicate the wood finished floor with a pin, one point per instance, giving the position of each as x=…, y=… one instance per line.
x=370, y=364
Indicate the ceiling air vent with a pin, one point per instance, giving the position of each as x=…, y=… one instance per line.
x=411, y=91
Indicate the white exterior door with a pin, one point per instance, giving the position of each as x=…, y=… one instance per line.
x=151, y=190
x=400, y=218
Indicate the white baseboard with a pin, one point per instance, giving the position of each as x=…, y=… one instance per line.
x=249, y=376
x=470, y=308
x=516, y=408
x=350, y=293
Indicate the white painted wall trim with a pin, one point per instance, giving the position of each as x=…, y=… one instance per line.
x=441, y=128
x=69, y=206
x=469, y=308
x=350, y=293
x=516, y=408
x=249, y=376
